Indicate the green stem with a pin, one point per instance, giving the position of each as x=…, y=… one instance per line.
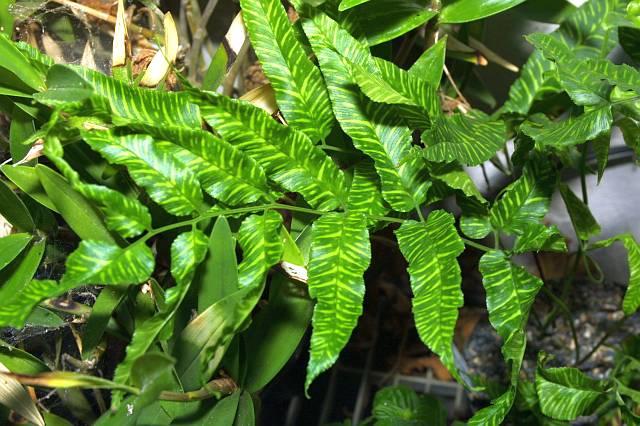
x=602, y=340
x=476, y=245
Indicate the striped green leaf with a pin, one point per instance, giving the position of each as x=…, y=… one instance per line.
x=476, y=227
x=431, y=249
x=122, y=214
x=259, y=238
x=375, y=129
x=455, y=177
x=340, y=253
x=402, y=406
x=224, y=172
x=495, y=414
x=583, y=221
x=525, y=201
x=298, y=84
x=470, y=138
x=631, y=301
x=15, y=310
x=566, y=393
x=155, y=166
x=187, y=251
x=288, y=156
x=586, y=29
x=572, y=131
x=364, y=194
x=136, y=104
x=98, y=262
x=537, y=237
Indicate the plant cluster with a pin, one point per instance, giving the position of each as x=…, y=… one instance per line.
x=162, y=188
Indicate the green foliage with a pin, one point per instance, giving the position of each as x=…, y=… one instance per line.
x=221, y=232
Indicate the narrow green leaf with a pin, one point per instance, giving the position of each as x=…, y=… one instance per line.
x=217, y=69
x=101, y=311
x=470, y=138
x=219, y=272
x=340, y=253
x=259, y=238
x=98, y=262
x=15, y=397
x=459, y=11
x=572, y=131
x=430, y=64
x=601, y=146
x=11, y=246
x=288, y=156
x=246, y=414
x=75, y=210
x=298, y=84
x=348, y=4
x=495, y=414
x=15, y=62
x=565, y=393
x=431, y=249
x=583, y=221
x=187, y=251
x=154, y=166
x=374, y=128
x=20, y=133
x=27, y=180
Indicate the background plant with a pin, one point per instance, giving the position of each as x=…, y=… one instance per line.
x=161, y=187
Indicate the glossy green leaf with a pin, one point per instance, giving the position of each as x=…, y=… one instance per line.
x=298, y=84
x=538, y=237
x=430, y=64
x=458, y=11
x=340, y=253
x=495, y=414
x=348, y=4
x=218, y=276
x=27, y=180
x=601, y=146
x=476, y=227
x=154, y=166
x=566, y=393
x=583, y=28
x=187, y=251
x=572, y=131
x=20, y=134
x=470, y=138
x=76, y=211
x=374, y=128
x=15, y=62
x=11, y=246
x=276, y=332
x=631, y=301
x=246, y=412
x=583, y=221
x=431, y=249
x=287, y=155
x=402, y=406
x=224, y=172
x=217, y=69
x=456, y=177
x=101, y=311
x=6, y=18
x=97, y=262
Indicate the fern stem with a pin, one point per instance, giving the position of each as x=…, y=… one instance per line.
x=476, y=245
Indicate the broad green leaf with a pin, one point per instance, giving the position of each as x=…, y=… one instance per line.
x=259, y=238
x=430, y=64
x=538, y=237
x=15, y=310
x=15, y=62
x=122, y=214
x=298, y=84
x=74, y=209
x=511, y=291
x=470, y=138
x=402, y=406
x=11, y=246
x=187, y=251
x=459, y=11
x=98, y=262
x=224, y=172
x=374, y=128
x=20, y=361
x=42, y=317
x=246, y=414
x=583, y=28
x=340, y=253
x=572, y=131
x=147, y=106
x=631, y=301
x=218, y=274
x=364, y=194
x=583, y=221
x=153, y=165
x=27, y=180
x=525, y=201
x=287, y=155
x=276, y=332
x=566, y=393
x=476, y=227
x=348, y=4
x=64, y=85
x=431, y=249
x=456, y=177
